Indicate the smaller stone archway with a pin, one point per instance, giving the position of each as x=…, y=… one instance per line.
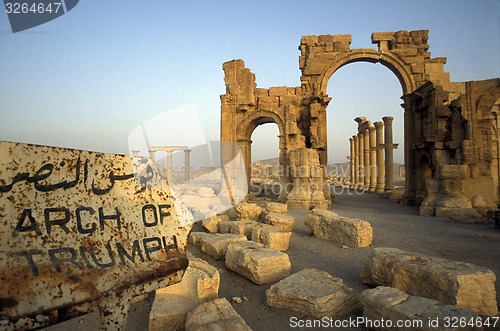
x=245, y=129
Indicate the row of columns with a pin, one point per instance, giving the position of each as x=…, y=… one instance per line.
x=372, y=156
x=170, y=150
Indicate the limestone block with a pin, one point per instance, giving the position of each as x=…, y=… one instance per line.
x=275, y=207
x=271, y=236
x=216, y=244
x=450, y=282
x=281, y=221
x=238, y=227
x=196, y=237
x=212, y=223
x=391, y=304
x=200, y=283
x=328, y=225
x=215, y=315
x=257, y=263
x=248, y=212
x=315, y=293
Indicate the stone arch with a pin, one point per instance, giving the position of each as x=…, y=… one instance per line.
x=388, y=60
x=247, y=126
x=258, y=117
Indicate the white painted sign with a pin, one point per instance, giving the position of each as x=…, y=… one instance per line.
x=77, y=226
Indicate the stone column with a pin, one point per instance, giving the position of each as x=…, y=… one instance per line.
x=366, y=183
x=351, y=159
x=380, y=157
x=169, y=166
x=361, y=164
x=373, y=160
x=152, y=155
x=356, y=162
x=389, y=154
x=187, y=164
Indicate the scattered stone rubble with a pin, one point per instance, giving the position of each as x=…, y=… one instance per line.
x=422, y=288
x=325, y=224
x=216, y=245
x=238, y=227
x=215, y=315
x=315, y=293
x=388, y=303
x=260, y=264
x=200, y=283
x=281, y=221
x=248, y=211
x=450, y=282
x=271, y=236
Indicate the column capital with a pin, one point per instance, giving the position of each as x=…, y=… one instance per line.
x=371, y=128
x=378, y=125
x=388, y=120
x=360, y=119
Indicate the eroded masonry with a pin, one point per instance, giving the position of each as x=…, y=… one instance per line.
x=451, y=129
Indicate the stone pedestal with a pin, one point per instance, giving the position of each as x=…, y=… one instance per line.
x=308, y=180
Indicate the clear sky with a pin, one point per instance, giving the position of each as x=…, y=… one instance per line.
x=88, y=78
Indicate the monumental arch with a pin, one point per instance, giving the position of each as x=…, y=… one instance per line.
x=451, y=128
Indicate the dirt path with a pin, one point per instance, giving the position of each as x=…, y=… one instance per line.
x=393, y=225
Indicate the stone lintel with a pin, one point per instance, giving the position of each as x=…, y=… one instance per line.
x=381, y=36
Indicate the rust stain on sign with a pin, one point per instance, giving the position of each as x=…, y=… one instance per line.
x=77, y=226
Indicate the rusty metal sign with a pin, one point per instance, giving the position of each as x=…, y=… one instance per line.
x=81, y=230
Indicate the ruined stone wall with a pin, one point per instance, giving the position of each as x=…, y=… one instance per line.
x=459, y=137
x=451, y=128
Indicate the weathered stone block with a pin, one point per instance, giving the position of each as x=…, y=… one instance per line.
x=281, y=221
x=200, y=283
x=216, y=244
x=212, y=223
x=389, y=303
x=248, y=212
x=275, y=207
x=238, y=227
x=215, y=315
x=450, y=282
x=328, y=225
x=272, y=237
x=196, y=237
x=315, y=293
x=257, y=263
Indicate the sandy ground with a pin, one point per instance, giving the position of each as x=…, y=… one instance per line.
x=393, y=225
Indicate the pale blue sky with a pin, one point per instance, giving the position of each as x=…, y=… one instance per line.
x=88, y=78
